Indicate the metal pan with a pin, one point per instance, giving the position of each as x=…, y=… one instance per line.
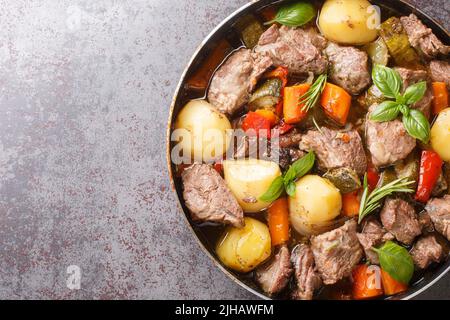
x=181, y=93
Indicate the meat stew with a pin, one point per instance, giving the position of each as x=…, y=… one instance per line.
x=339, y=123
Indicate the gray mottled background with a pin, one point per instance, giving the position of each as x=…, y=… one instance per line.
x=85, y=88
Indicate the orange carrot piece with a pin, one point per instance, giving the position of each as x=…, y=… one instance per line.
x=440, y=97
x=278, y=216
x=292, y=110
x=366, y=282
x=336, y=103
x=390, y=285
x=351, y=203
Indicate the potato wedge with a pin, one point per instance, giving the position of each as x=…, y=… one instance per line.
x=352, y=22
x=206, y=136
x=440, y=135
x=316, y=202
x=244, y=249
x=249, y=179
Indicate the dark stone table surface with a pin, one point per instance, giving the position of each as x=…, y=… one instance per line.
x=85, y=88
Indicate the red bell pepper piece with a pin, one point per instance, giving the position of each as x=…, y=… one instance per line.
x=281, y=129
x=372, y=177
x=218, y=166
x=430, y=170
x=280, y=73
x=260, y=124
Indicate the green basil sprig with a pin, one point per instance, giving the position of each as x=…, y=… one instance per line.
x=287, y=182
x=389, y=83
x=396, y=260
x=294, y=15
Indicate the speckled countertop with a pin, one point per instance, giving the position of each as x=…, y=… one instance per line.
x=85, y=93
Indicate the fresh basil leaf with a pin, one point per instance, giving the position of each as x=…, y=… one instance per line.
x=400, y=99
x=295, y=15
x=290, y=189
x=275, y=190
x=299, y=168
x=417, y=125
x=386, y=111
x=396, y=261
x=404, y=109
x=415, y=92
x=387, y=80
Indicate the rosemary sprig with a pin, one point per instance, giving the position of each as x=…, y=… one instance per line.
x=317, y=125
x=310, y=98
x=371, y=202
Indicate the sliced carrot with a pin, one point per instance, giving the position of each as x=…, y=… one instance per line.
x=292, y=110
x=440, y=97
x=269, y=115
x=336, y=102
x=366, y=282
x=351, y=203
x=390, y=285
x=199, y=80
x=278, y=216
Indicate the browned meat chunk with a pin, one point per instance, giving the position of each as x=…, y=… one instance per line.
x=425, y=222
x=400, y=219
x=208, y=198
x=373, y=235
x=440, y=187
x=290, y=139
x=411, y=77
x=440, y=72
x=427, y=250
x=232, y=84
x=306, y=276
x=288, y=156
x=349, y=67
x=388, y=142
x=337, y=252
x=300, y=50
x=274, y=275
x=252, y=147
x=422, y=38
x=336, y=149
x=439, y=211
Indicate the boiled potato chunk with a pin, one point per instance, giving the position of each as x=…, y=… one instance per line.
x=249, y=179
x=206, y=130
x=244, y=249
x=440, y=135
x=316, y=202
x=351, y=22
